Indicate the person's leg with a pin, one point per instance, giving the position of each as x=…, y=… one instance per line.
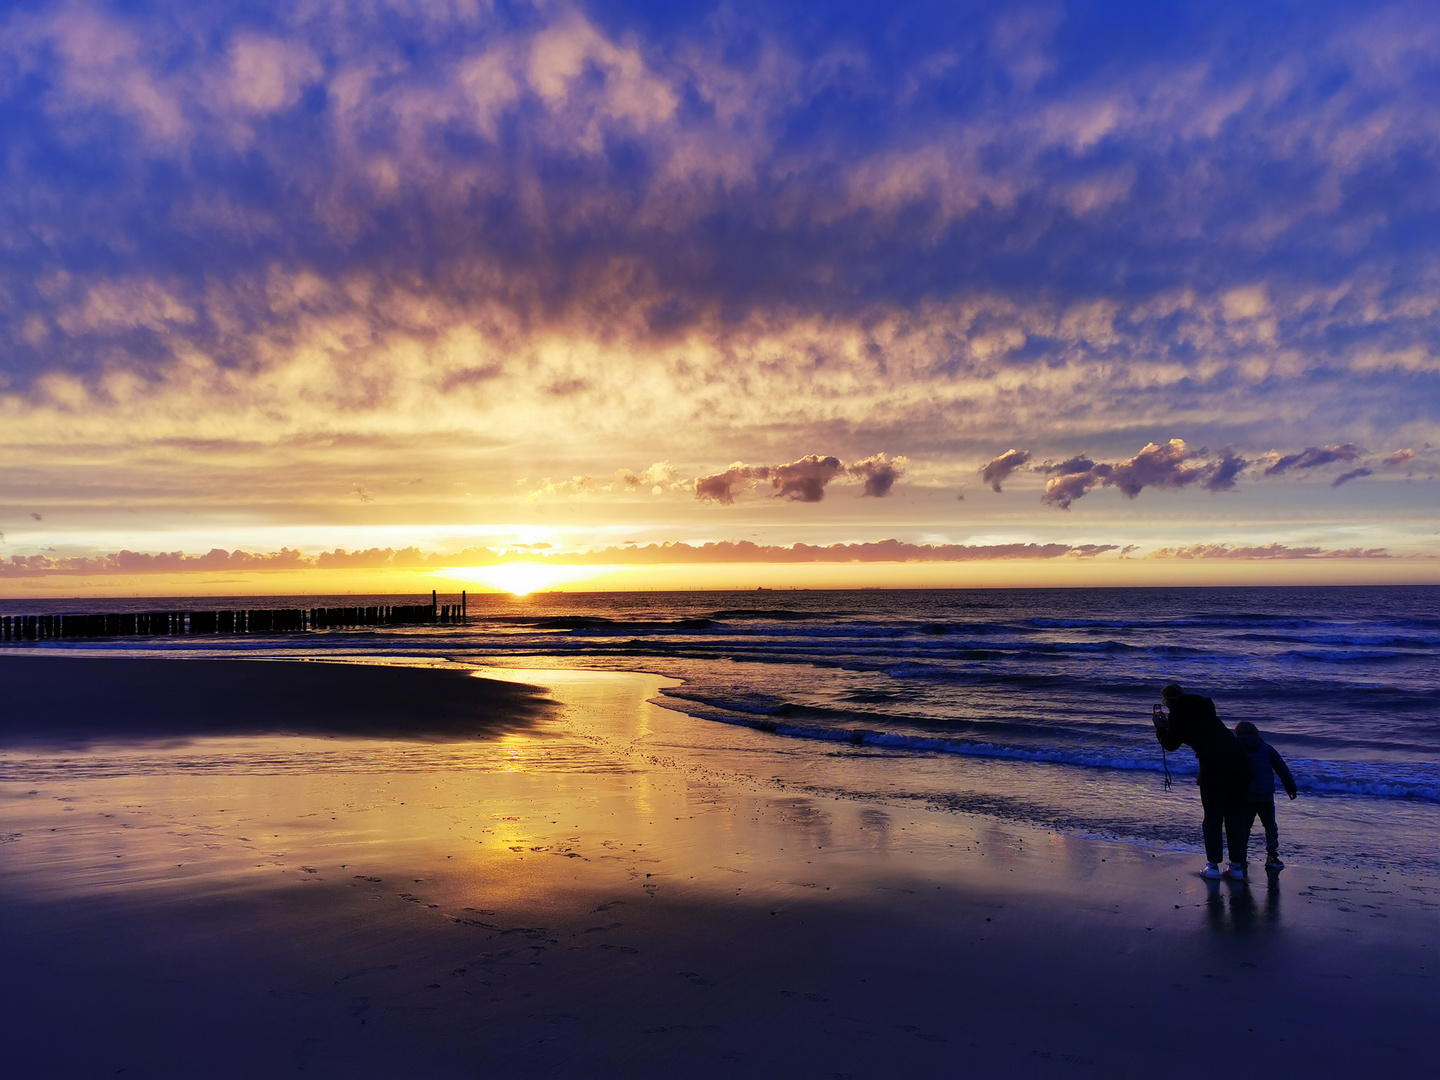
x=1238, y=816
x=1265, y=807
x=1212, y=800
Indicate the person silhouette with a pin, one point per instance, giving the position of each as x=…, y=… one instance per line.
x=1267, y=765
x=1224, y=779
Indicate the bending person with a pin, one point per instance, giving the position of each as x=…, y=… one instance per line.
x=1225, y=774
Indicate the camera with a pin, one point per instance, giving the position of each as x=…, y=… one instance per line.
x=1157, y=715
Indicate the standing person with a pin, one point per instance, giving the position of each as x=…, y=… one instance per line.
x=1224, y=779
x=1267, y=764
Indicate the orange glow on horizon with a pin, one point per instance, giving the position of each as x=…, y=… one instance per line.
x=560, y=577
x=523, y=578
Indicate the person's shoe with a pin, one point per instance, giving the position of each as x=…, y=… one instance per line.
x=1212, y=870
x=1236, y=871
x=1272, y=862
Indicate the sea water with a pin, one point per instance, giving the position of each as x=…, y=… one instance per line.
x=1028, y=705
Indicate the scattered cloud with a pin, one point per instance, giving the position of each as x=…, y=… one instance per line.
x=1311, y=457
x=1220, y=475
x=1265, y=552
x=1001, y=467
x=803, y=480
x=720, y=487
x=1353, y=474
x=133, y=562
x=1163, y=466
x=658, y=478
x=1173, y=466
x=1400, y=457
x=879, y=473
x=743, y=551
x=368, y=559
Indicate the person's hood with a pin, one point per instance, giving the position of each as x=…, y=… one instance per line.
x=1251, y=742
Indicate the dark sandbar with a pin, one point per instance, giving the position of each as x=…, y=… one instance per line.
x=77, y=700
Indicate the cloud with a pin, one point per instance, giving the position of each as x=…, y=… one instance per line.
x=1353, y=474
x=805, y=479
x=1162, y=466
x=879, y=473
x=1173, y=466
x=1221, y=475
x=1266, y=552
x=1400, y=457
x=369, y=559
x=744, y=551
x=659, y=477
x=720, y=487
x=132, y=562
x=870, y=552
x=1311, y=457
x=1001, y=467
x=1064, y=489
x=1154, y=466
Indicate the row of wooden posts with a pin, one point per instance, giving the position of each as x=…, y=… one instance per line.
x=251, y=621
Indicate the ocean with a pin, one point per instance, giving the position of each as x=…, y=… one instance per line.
x=1029, y=706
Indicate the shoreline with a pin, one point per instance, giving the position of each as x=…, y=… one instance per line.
x=613, y=887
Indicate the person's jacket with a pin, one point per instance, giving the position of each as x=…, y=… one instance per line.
x=1267, y=764
x=1193, y=723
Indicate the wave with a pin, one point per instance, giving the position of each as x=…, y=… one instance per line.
x=1389, y=781
x=778, y=614
x=619, y=626
x=1343, y=656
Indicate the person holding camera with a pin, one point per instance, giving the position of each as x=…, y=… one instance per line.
x=1224, y=780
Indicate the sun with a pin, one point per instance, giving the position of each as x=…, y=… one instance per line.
x=522, y=578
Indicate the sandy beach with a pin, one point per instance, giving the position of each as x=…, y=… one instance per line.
x=389, y=871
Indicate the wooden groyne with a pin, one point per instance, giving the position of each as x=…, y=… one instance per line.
x=228, y=621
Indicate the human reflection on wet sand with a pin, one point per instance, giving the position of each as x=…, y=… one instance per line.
x=1231, y=907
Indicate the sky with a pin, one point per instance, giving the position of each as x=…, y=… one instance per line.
x=322, y=296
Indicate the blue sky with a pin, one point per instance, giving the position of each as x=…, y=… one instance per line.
x=445, y=274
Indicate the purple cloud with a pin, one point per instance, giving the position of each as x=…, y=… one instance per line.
x=805, y=479
x=879, y=473
x=1313, y=457
x=1353, y=474
x=996, y=472
x=1266, y=551
x=1162, y=466
x=1221, y=475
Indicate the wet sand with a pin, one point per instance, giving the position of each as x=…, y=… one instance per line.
x=608, y=888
